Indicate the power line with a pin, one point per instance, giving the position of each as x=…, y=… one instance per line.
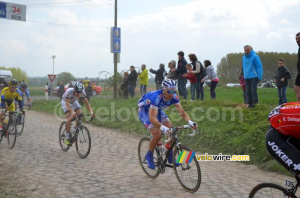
x=67, y=24
x=58, y=3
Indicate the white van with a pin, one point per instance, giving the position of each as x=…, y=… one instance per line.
x=7, y=74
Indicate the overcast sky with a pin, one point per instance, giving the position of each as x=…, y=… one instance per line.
x=152, y=32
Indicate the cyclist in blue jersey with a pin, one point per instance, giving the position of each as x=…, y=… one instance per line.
x=151, y=114
x=23, y=87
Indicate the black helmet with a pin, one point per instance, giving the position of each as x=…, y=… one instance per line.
x=78, y=87
x=23, y=85
x=13, y=82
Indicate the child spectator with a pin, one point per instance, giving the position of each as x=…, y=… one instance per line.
x=192, y=79
x=243, y=86
x=282, y=74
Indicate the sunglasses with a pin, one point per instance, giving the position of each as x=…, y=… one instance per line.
x=14, y=87
x=171, y=92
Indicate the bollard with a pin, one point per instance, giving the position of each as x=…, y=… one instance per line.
x=46, y=92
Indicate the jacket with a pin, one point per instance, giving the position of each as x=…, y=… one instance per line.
x=171, y=75
x=252, y=66
x=201, y=72
x=298, y=63
x=181, y=69
x=132, y=77
x=211, y=74
x=144, y=77
x=192, y=78
x=159, y=75
x=282, y=72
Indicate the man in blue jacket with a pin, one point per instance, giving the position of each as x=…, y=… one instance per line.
x=253, y=72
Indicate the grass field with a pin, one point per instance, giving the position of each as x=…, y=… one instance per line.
x=224, y=125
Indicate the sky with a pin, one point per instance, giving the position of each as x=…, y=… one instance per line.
x=77, y=32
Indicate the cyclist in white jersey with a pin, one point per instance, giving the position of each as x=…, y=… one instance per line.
x=71, y=107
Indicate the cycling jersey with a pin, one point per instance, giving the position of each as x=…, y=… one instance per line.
x=69, y=94
x=154, y=99
x=8, y=97
x=26, y=92
x=286, y=119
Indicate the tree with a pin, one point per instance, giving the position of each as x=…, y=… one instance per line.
x=65, y=77
x=17, y=73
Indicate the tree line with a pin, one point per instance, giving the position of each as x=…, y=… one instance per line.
x=17, y=73
x=230, y=67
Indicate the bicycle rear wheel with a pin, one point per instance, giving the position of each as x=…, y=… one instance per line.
x=143, y=148
x=187, y=174
x=83, y=142
x=12, y=133
x=269, y=190
x=21, y=123
x=62, y=136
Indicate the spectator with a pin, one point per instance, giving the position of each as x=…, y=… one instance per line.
x=192, y=78
x=297, y=81
x=253, y=72
x=61, y=90
x=200, y=73
x=212, y=76
x=171, y=74
x=3, y=81
x=124, y=85
x=159, y=75
x=181, y=69
x=132, y=77
x=282, y=74
x=243, y=86
x=143, y=76
x=89, y=90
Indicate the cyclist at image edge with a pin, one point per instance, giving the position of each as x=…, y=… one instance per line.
x=8, y=95
x=72, y=108
x=151, y=114
x=283, y=136
x=23, y=87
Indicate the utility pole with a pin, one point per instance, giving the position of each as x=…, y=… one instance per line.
x=115, y=58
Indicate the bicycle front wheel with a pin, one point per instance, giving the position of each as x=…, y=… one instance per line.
x=12, y=134
x=269, y=190
x=62, y=136
x=83, y=142
x=143, y=148
x=20, y=123
x=187, y=174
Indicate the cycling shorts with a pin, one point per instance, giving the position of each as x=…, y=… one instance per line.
x=75, y=105
x=144, y=117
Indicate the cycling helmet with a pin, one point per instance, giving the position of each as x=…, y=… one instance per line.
x=13, y=82
x=169, y=84
x=23, y=85
x=78, y=87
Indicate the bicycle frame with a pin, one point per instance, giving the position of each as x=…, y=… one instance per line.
x=78, y=125
x=294, y=189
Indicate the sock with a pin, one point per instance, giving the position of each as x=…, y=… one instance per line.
x=67, y=135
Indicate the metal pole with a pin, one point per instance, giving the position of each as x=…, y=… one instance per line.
x=115, y=58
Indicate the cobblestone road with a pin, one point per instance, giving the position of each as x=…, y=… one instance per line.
x=39, y=168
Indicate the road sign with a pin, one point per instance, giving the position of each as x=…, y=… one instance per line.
x=51, y=77
x=115, y=40
x=12, y=11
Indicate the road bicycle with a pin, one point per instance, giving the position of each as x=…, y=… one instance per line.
x=187, y=174
x=10, y=128
x=80, y=135
x=21, y=120
x=273, y=190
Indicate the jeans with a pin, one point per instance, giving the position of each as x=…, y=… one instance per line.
x=213, y=86
x=193, y=89
x=282, y=95
x=131, y=90
x=182, y=88
x=199, y=90
x=251, y=89
x=245, y=96
x=143, y=89
x=158, y=86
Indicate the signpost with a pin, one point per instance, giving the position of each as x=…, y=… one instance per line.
x=51, y=78
x=12, y=11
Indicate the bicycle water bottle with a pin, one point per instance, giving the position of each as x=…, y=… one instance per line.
x=72, y=130
x=161, y=148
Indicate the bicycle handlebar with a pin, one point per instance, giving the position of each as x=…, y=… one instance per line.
x=179, y=128
x=81, y=115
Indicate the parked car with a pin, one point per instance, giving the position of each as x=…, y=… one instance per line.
x=233, y=85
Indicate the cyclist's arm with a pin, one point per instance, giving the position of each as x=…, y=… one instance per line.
x=152, y=117
x=88, y=106
x=28, y=96
x=182, y=113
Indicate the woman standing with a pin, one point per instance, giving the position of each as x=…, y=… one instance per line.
x=211, y=75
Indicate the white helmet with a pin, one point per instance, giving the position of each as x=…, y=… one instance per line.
x=169, y=85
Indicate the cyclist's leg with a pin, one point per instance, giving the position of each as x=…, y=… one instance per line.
x=280, y=147
x=69, y=115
